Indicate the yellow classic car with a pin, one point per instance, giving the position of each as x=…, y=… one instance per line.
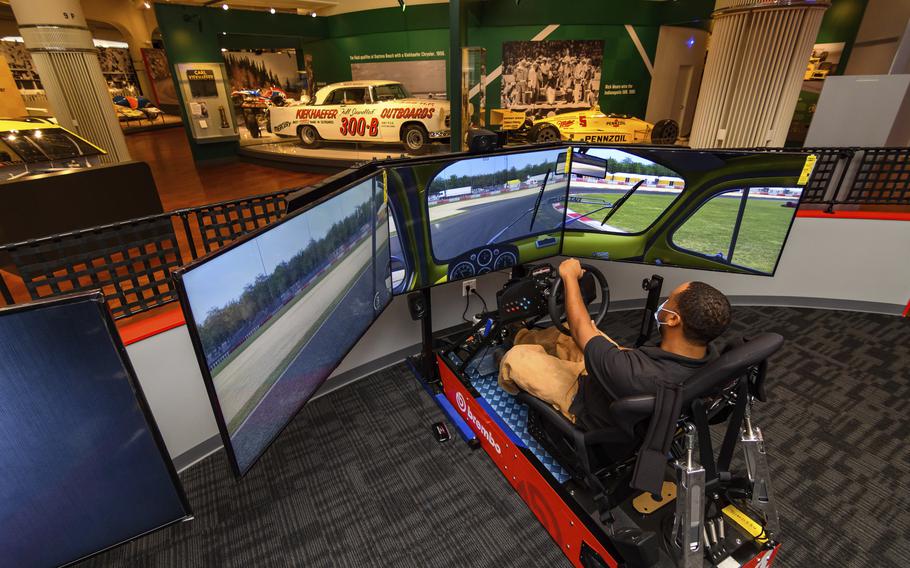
x=32, y=145
x=592, y=125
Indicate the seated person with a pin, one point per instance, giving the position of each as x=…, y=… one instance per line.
x=581, y=375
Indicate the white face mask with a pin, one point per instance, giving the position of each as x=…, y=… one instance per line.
x=661, y=308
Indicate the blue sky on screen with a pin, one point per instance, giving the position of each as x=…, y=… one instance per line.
x=617, y=155
x=479, y=166
x=223, y=278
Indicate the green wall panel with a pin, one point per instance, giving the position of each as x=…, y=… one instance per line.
x=841, y=23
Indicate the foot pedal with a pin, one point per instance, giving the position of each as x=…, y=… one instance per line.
x=645, y=503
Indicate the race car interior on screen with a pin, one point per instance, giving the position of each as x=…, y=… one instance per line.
x=708, y=210
x=481, y=214
x=273, y=315
x=457, y=219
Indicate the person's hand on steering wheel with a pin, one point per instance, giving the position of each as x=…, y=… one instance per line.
x=570, y=268
x=573, y=309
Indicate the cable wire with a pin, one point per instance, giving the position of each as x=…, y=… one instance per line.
x=484, y=302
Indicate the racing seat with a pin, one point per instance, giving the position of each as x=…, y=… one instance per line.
x=721, y=391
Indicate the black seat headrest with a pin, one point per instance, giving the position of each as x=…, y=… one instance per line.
x=736, y=359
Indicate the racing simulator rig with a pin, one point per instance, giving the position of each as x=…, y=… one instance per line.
x=273, y=314
x=636, y=493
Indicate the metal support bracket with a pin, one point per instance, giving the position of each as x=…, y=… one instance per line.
x=759, y=476
x=689, y=522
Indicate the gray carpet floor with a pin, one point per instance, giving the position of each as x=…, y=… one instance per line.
x=358, y=479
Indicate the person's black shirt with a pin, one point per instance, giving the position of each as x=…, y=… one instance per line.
x=614, y=373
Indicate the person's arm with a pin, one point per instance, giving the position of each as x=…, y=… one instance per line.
x=578, y=318
x=580, y=323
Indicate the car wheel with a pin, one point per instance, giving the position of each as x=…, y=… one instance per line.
x=665, y=132
x=544, y=133
x=414, y=137
x=309, y=137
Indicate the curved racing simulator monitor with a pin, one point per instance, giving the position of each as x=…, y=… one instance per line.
x=274, y=314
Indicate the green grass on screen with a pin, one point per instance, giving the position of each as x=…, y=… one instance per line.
x=708, y=231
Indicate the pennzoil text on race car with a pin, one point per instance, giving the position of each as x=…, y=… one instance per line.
x=592, y=126
x=364, y=111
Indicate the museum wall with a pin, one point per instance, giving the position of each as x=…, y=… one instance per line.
x=876, y=42
x=832, y=53
x=678, y=67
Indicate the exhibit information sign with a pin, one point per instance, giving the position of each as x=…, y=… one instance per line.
x=207, y=102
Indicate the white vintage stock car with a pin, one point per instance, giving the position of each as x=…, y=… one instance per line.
x=364, y=111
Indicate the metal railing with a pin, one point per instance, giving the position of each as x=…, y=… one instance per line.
x=856, y=176
x=131, y=261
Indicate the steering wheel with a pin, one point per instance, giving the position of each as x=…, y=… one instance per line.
x=558, y=311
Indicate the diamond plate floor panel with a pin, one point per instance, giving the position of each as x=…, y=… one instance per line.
x=515, y=415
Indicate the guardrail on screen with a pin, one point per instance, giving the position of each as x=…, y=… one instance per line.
x=131, y=261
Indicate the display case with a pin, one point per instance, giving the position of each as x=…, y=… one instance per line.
x=207, y=102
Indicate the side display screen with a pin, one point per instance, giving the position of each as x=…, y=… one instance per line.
x=273, y=315
x=722, y=211
x=467, y=217
x=82, y=464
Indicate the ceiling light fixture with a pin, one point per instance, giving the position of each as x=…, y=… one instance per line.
x=224, y=6
x=147, y=5
x=271, y=10
x=223, y=49
x=313, y=14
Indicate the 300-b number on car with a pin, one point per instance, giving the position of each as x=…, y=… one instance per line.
x=358, y=127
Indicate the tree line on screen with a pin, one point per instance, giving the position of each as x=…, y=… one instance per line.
x=628, y=166
x=499, y=177
x=263, y=296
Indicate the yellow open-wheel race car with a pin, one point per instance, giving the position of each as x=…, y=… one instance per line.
x=592, y=125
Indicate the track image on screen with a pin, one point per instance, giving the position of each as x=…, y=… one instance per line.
x=482, y=214
x=82, y=464
x=735, y=217
x=273, y=315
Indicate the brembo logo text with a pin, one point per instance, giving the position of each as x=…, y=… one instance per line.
x=466, y=410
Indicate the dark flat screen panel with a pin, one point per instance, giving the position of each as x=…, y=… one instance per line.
x=50, y=204
x=80, y=464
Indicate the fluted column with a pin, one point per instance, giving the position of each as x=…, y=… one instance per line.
x=58, y=38
x=757, y=59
